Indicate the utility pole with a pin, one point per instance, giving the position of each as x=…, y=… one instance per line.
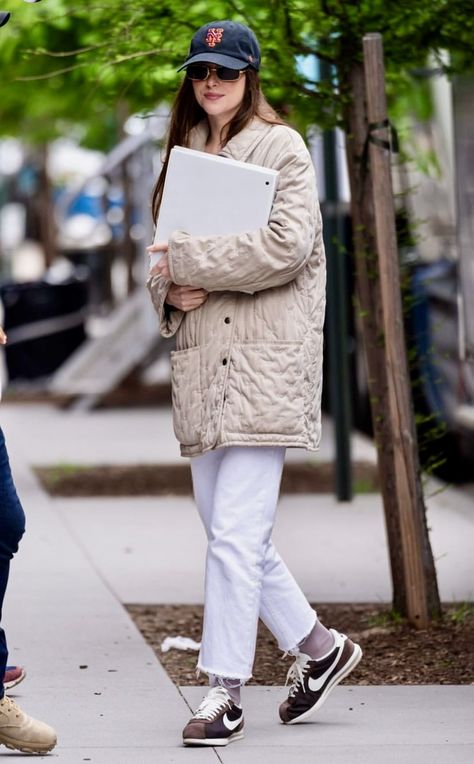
x=336, y=316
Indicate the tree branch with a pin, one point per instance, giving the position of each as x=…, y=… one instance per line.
x=56, y=72
x=50, y=75
x=65, y=53
x=240, y=12
x=298, y=44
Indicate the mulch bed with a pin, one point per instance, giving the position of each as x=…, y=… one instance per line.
x=175, y=479
x=394, y=653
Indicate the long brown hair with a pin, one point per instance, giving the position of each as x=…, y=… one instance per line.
x=186, y=113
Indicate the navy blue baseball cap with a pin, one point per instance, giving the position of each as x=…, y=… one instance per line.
x=225, y=43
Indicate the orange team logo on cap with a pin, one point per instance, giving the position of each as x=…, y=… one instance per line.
x=214, y=36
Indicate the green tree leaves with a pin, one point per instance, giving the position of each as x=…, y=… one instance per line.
x=69, y=62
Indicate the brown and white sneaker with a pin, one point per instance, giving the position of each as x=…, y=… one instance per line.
x=217, y=721
x=21, y=732
x=13, y=675
x=312, y=680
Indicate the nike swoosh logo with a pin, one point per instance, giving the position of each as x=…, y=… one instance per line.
x=316, y=684
x=231, y=725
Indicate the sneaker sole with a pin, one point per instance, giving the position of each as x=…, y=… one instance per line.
x=13, y=746
x=219, y=741
x=14, y=682
x=345, y=671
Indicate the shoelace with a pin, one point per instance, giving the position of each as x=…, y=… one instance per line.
x=216, y=700
x=296, y=675
x=8, y=706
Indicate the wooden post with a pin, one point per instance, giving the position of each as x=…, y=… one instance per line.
x=369, y=312
x=409, y=499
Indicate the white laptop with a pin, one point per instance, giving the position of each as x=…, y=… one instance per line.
x=208, y=194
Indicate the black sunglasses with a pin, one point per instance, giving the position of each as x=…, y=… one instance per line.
x=200, y=72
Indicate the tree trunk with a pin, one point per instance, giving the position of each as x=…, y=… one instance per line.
x=128, y=246
x=45, y=208
x=370, y=315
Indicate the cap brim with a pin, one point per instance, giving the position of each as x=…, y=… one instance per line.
x=215, y=58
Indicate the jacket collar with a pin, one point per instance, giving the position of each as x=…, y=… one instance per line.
x=240, y=146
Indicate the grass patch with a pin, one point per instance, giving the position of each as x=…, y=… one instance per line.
x=462, y=612
x=385, y=619
x=64, y=471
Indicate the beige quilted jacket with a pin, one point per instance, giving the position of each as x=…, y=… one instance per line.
x=247, y=369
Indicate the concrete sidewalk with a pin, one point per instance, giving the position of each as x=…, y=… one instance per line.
x=92, y=676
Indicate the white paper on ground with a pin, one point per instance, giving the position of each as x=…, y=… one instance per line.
x=179, y=643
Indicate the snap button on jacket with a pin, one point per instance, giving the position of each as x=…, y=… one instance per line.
x=247, y=369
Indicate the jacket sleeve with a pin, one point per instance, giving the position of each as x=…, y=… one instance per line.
x=170, y=318
x=269, y=257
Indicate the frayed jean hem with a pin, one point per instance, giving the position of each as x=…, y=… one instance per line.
x=294, y=649
x=223, y=674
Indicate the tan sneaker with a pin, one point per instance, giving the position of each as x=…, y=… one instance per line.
x=23, y=733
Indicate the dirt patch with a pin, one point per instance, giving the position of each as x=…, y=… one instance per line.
x=130, y=394
x=175, y=479
x=394, y=653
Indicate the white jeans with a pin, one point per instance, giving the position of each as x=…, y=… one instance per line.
x=236, y=491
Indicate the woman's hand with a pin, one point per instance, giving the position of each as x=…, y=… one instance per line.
x=161, y=268
x=3, y=337
x=186, y=297
x=182, y=297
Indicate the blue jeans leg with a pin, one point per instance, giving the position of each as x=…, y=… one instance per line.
x=12, y=527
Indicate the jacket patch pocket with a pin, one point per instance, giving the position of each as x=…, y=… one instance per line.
x=266, y=389
x=186, y=393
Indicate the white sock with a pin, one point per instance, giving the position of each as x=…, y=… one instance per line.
x=231, y=685
x=318, y=643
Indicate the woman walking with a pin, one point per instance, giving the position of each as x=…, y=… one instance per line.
x=248, y=312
